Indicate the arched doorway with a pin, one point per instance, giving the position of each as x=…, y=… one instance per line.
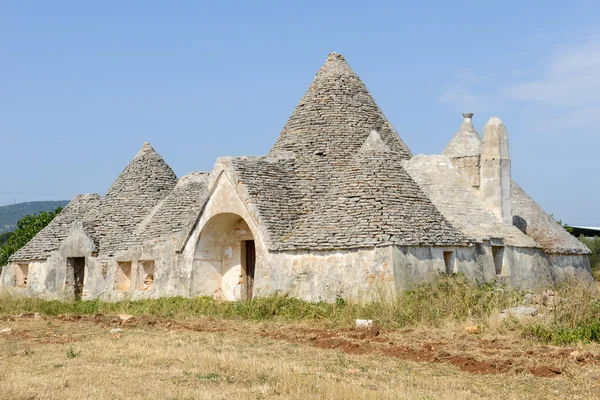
x=224, y=259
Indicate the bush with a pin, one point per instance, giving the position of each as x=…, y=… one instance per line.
x=575, y=317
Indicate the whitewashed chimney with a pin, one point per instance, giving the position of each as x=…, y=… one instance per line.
x=495, y=169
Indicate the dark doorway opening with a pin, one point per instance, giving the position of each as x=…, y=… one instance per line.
x=74, y=278
x=249, y=259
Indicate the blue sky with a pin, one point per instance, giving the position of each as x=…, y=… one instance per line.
x=84, y=84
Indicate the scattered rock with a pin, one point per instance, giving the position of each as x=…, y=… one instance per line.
x=5, y=330
x=519, y=312
x=578, y=356
x=472, y=329
x=527, y=299
x=125, y=317
x=116, y=330
x=364, y=323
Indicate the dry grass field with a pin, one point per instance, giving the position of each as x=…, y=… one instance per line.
x=283, y=348
x=77, y=357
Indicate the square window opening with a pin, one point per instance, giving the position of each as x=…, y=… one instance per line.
x=145, y=275
x=123, y=278
x=22, y=273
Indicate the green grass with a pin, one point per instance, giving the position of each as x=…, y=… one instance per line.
x=560, y=335
x=449, y=297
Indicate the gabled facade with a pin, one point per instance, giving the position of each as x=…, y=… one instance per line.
x=339, y=207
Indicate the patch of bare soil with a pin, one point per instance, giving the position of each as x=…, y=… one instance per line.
x=468, y=353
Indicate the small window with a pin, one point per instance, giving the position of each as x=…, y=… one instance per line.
x=21, y=275
x=145, y=275
x=123, y=279
x=449, y=261
x=498, y=254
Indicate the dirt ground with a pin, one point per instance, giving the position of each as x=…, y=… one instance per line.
x=79, y=357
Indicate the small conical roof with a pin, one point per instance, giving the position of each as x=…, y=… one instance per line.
x=146, y=173
x=141, y=186
x=335, y=117
x=466, y=142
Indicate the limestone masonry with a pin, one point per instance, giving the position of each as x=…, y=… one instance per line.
x=339, y=207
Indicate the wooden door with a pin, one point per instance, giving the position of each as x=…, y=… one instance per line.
x=250, y=265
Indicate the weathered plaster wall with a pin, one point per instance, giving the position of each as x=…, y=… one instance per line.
x=565, y=267
x=36, y=279
x=526, y=268
x=413, y=265
x=46, y=279
x=171, y=278
x=325, y=275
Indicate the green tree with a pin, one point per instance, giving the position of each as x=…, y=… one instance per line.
x=4, y=237
x=27, y=228
x=594, y=245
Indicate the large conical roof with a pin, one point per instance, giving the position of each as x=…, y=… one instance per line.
x=335, y=117
x=466, y=142
x=326, y=130
x=373, y=203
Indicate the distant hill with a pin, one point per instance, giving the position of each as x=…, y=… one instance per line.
x=9, y=215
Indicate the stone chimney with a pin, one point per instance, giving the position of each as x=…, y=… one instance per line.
x=495, y=169
x=464, y=150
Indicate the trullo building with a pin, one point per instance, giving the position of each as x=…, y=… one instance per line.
x=338, y=207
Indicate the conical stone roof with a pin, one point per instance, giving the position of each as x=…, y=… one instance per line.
x=147, y=173
x=142, y=184
x=466, y=142
x=82, y=208
x=335, y=117
x=374, y=202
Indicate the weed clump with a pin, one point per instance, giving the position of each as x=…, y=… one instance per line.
x=573, y=318
x=432, y=303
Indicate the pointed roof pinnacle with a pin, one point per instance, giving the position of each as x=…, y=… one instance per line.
x=466, y=142
x=335, y=65
x=336, y=113
x=495, y=139
x=374, y=144
x=147, y=171
x=146, y=148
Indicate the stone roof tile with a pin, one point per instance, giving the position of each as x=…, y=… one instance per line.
x=82, y=207
x=460, y=203
x=139, y=188
x=541, y=226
